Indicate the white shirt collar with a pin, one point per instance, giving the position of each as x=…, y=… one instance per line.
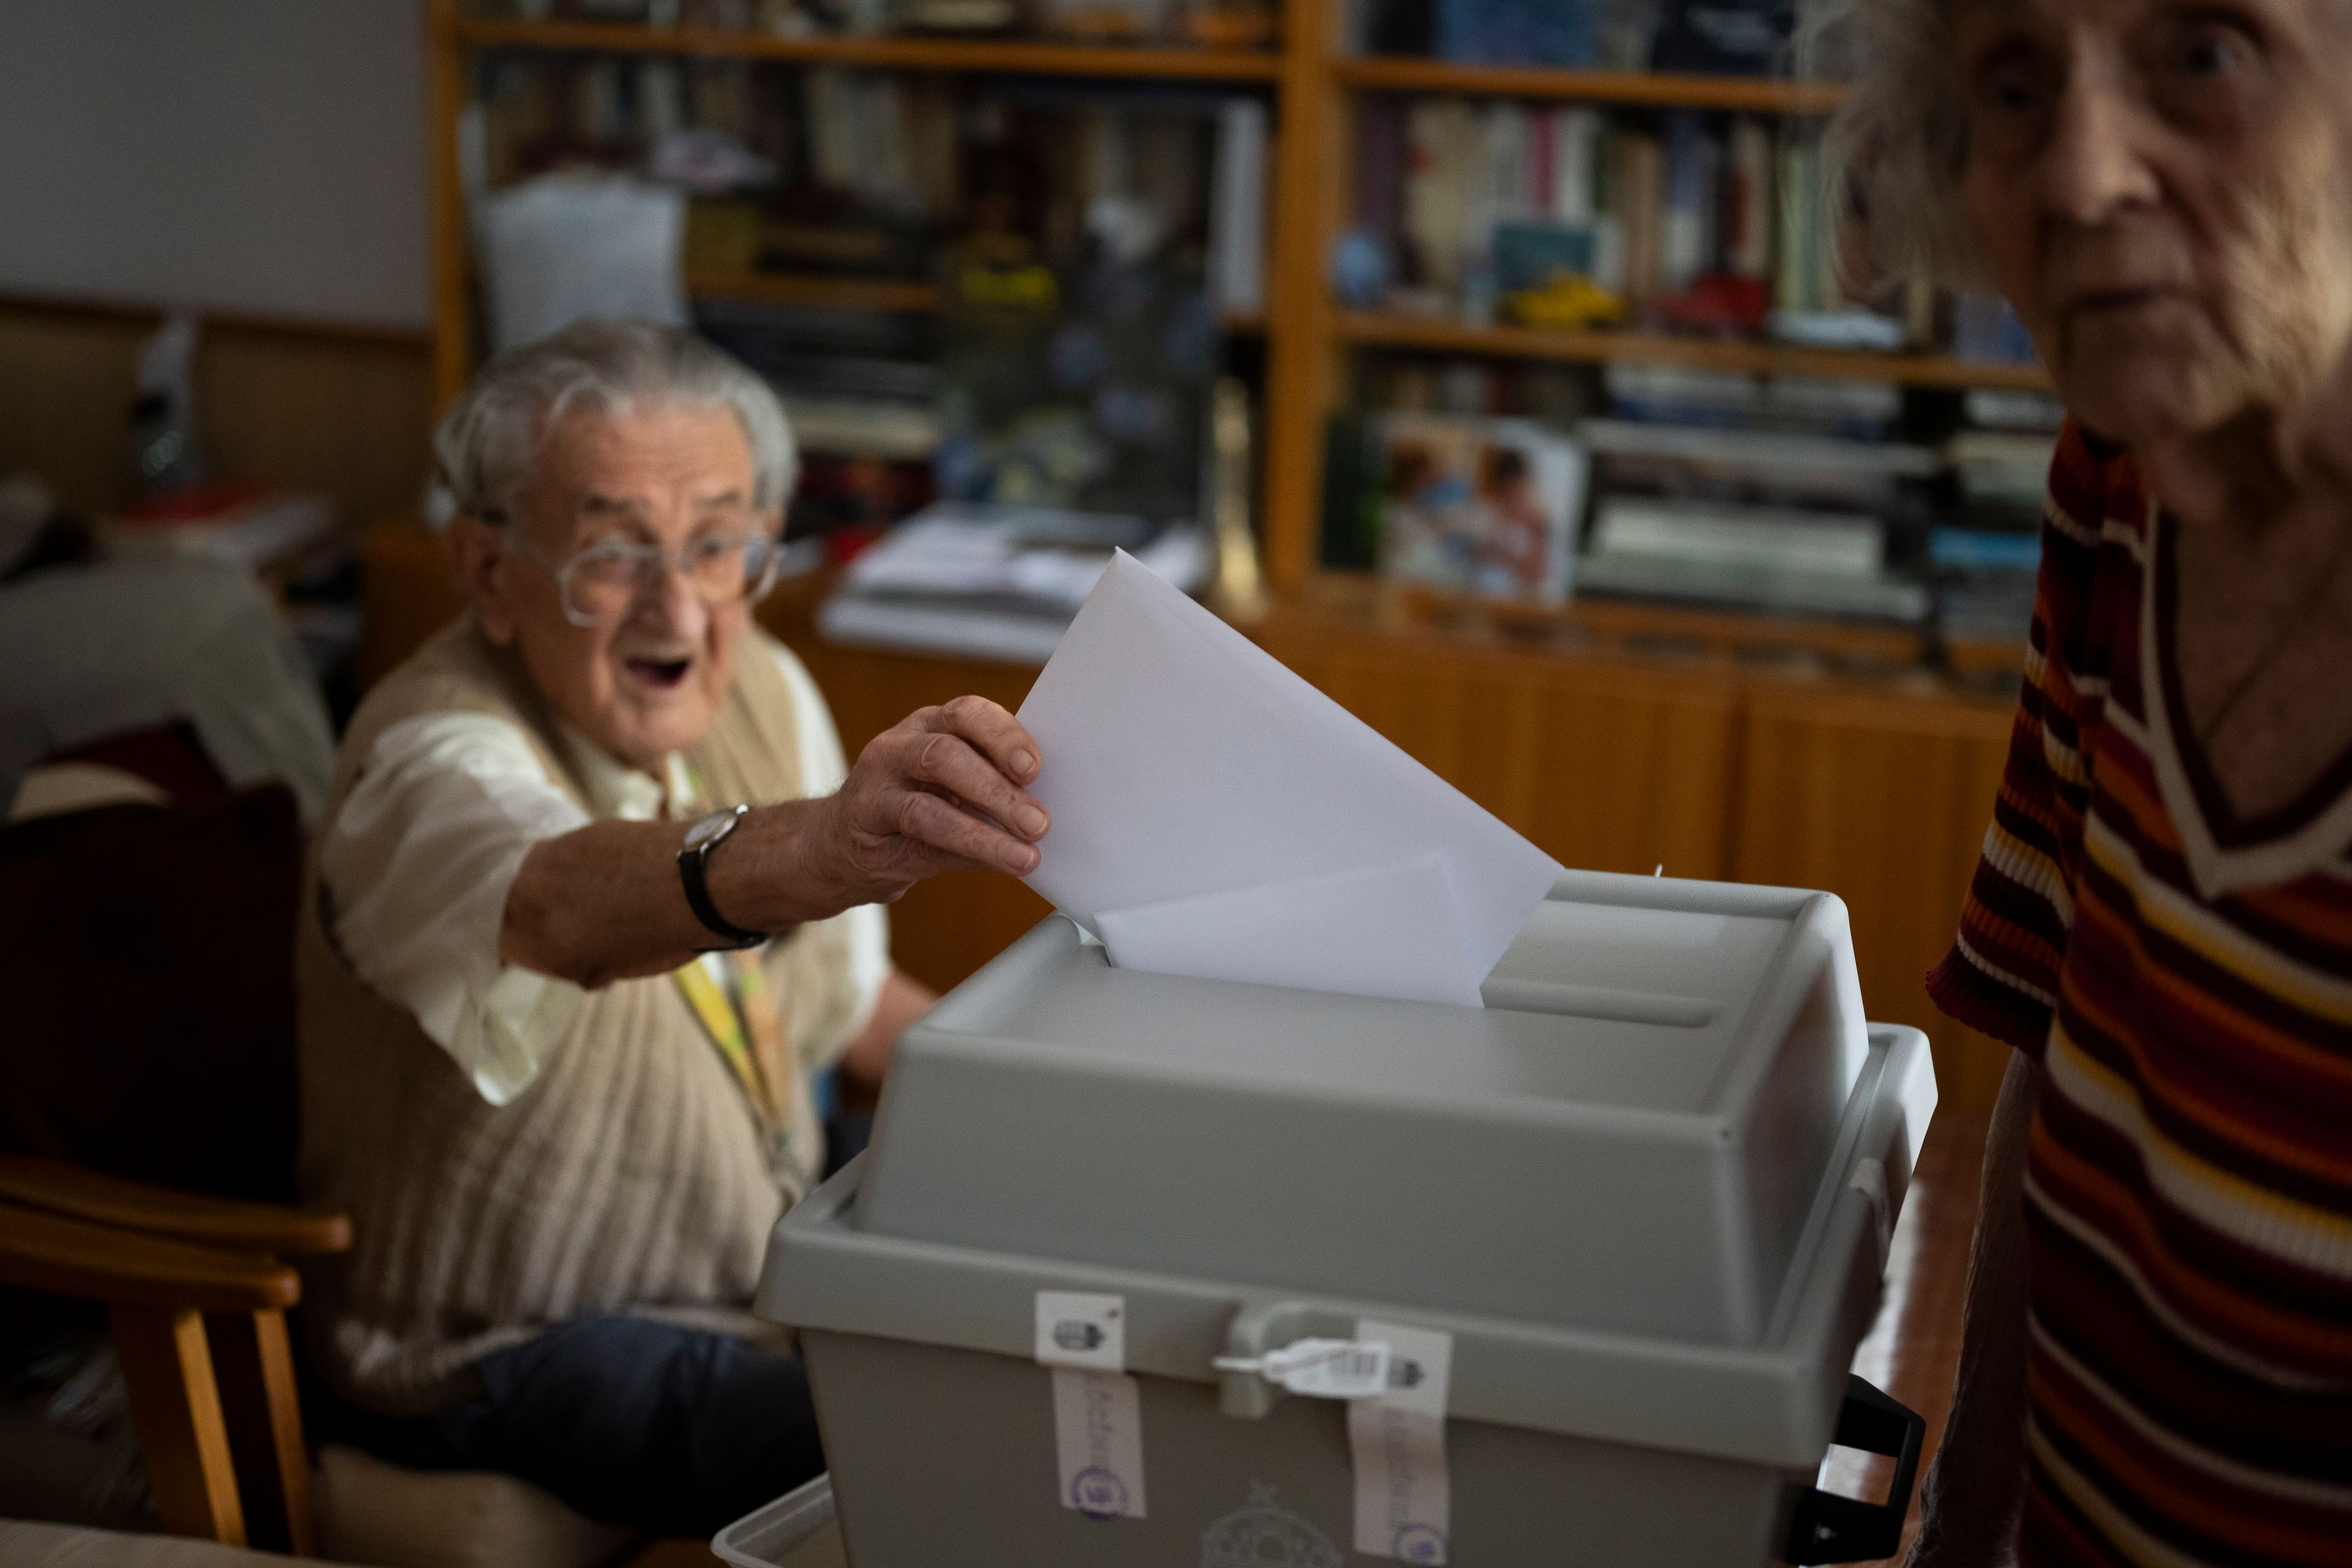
x=617, y=790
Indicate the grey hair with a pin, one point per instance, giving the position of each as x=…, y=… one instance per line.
x=1893, y=150
x=486, y=446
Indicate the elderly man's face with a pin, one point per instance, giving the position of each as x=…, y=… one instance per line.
x=648, y=682
x=2161, y=191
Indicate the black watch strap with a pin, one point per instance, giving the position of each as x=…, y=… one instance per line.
x=692, y=864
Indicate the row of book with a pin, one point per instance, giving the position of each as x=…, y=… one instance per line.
x=1784, y=496
x=887, y=142
x=1726, y=37
x=1578, y=216
x=1199, y=24
x=832, y=170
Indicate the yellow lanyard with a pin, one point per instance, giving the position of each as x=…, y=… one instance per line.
x=743, y=1024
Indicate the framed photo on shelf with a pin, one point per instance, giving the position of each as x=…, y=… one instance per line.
x=1481, y=506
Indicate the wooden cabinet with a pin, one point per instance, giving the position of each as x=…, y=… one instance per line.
x=1881, y=799
x=1601, y=763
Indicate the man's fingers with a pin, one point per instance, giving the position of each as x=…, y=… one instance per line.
x=932, y=821
x=947, y=761
x=994, y=733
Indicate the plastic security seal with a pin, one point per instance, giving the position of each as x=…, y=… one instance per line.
x=1098, y=1408
x=1329, y=1368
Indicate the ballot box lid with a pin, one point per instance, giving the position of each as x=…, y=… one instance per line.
x=1640, y=1134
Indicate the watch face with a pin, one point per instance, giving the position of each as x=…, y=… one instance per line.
x=710, y=827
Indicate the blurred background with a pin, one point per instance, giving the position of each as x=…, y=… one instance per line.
x=1484, y=359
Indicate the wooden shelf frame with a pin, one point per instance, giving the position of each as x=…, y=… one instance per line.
x=1011, y=55
x=1764, y=95
x=1374, y=330
x=893, y=296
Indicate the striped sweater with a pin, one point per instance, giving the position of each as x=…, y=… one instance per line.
x=2186, y=979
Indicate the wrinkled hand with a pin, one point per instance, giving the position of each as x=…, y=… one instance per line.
x=939, y=791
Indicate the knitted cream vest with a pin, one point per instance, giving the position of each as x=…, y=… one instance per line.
x=633, y=1174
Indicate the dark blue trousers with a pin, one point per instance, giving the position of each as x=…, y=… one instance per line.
x=670, y=1430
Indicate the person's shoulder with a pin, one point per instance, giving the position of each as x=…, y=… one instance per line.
x=450, y=675
x=2084, y=474
x=775, y=659
x=2094, y=519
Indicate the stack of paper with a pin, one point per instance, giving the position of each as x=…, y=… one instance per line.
x=1215, y=815
x=998, y=582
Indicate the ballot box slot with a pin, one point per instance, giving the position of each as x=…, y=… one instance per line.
x=1515, y=995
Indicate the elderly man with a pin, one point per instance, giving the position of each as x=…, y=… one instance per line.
x=592, y=898
x=2159, y=1357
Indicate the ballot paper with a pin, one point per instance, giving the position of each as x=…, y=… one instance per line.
x=1216, y=816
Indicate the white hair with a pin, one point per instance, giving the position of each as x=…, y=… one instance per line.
x=485, y=448
x=1893, y=150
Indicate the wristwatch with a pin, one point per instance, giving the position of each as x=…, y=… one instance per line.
x=693, y=864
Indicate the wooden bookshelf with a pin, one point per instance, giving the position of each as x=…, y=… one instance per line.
x=1012, y=56
x=1373, y=330
x=1750, y=94
x=1305, y=333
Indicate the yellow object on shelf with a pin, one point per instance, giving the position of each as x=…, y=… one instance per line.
x=1569, y=302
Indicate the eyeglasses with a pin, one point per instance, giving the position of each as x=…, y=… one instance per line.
x=602, y=583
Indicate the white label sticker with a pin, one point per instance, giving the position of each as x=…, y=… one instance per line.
x=1098, y=1438
x=1078, y=1330
x=1403, y=1498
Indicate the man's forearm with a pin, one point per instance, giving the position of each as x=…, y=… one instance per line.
x=605, y=902
x=1968, y=1511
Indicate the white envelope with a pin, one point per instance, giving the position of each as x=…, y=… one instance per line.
x=1386, y=930
x=1216, y=814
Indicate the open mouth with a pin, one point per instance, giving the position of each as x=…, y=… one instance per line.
x=662, y=674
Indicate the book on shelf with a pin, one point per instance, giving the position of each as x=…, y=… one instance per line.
x=1759, y=539
x=1684, y=220
x=1724, y=38
x=1817, y=470
x=1237, y=203
x=1516, y=32
x=1712, y=585
x=1196, y=24
x=1672, y=395
x=1753, y=558
x=862, y=427
x=1710, y=37
x=2003, y=471
x=1770, y=506
x=996, y=582
x=1349, y=533
x=1985, y=582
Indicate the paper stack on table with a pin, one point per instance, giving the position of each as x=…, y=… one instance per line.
x=1216, y=816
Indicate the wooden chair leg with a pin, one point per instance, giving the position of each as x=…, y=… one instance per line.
x=255, y=1370
x=175, y=1405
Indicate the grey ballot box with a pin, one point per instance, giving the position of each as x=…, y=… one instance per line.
x=1647, y=1189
